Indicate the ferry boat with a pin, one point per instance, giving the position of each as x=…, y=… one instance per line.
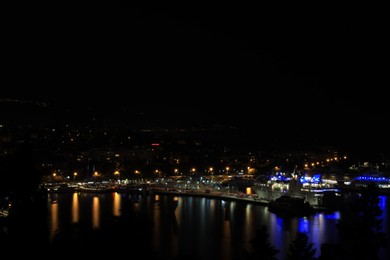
x=318, y=190
x=357, y=183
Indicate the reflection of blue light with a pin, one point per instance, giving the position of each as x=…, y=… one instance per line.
x=385, y=212
x=279, y=220
x=303, y=225
x=277, y=234
x=334, y=215
x=382, y=203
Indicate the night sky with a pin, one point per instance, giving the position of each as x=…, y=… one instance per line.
x=314, y=70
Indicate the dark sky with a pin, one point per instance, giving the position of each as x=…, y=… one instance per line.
x=312, y=68
x=218, y=55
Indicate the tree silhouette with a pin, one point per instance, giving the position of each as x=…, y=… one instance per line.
x=20, y=178
x=329, y=251
x=360, y=226
x=19, y=188
x=262, y=249
x=300, y=248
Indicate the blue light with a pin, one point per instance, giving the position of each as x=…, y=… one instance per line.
x=303, y=180
x=279, y=177
x=371, y=178
x=316, y=178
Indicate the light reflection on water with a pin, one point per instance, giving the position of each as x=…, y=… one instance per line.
x=53, y=219
x=116, y=210
x=208, y=228
x=75, y=208
x=96, y=212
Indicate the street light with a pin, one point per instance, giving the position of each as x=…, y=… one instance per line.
x=116, y=173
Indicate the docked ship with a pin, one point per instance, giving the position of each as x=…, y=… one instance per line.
x=319, y=190
x=358, y=183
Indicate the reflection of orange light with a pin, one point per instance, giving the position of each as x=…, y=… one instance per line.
x=95, y=213
x=155, y=144
x=75, y=208
x=117, y=204
x=54, y=220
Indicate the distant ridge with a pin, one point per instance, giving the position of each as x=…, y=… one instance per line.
x=21, y=101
